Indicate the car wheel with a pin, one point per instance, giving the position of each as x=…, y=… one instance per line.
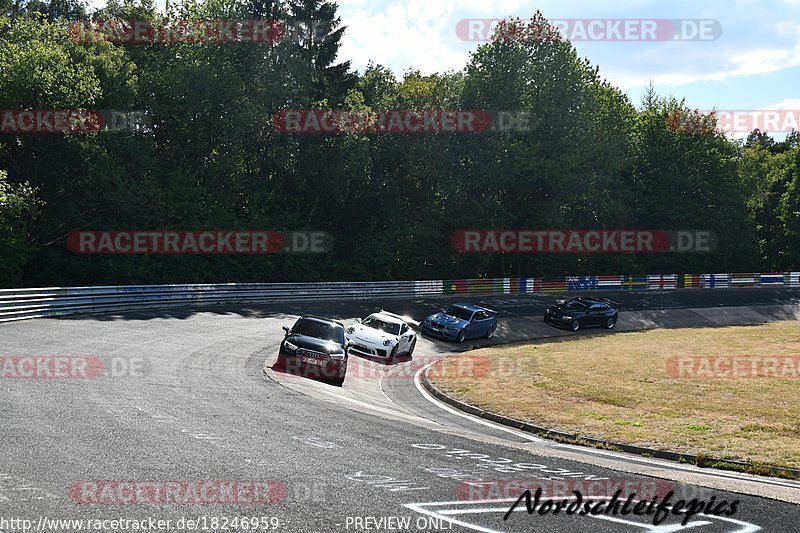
x=575, y=325
x=610, y=323
x=461, y=336
x=490, y=333
x=411, y=348
x=393, y=355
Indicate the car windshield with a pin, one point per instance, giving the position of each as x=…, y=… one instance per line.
x=319, y=330
x=376, y=323
x=459, y=312
x=575, y=304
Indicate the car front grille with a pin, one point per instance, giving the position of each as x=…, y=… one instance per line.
x=362, y=349
x=368, y=351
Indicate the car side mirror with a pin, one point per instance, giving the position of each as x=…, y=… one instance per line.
x=286, y=329
x=348, y=344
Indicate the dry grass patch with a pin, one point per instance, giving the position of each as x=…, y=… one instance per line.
x=617, y=387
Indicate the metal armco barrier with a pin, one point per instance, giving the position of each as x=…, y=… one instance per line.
x=19, y=304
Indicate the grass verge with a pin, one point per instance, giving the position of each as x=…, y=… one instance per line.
x=624, y=388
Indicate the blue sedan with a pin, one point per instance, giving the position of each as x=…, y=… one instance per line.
x=460, y=322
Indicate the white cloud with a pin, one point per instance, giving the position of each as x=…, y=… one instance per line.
x=761, y=61
x=400, y=35
x=419, y=34
x=788, y=103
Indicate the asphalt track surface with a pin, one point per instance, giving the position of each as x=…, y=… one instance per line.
x=185, y=397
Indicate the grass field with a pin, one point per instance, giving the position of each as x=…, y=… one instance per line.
x=623, y=387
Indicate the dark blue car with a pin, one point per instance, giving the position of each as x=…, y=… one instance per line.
x=460, y=322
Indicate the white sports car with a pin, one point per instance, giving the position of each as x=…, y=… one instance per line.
x=382, y=334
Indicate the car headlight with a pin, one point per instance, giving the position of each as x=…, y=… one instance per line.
x=388, y=342
x=290, y=346
x=566, y=317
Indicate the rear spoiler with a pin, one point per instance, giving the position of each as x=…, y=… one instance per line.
x=404, y=319
x=609, y=302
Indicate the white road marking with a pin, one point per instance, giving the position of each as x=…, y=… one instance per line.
x=315, y=441
x=583, y=449
x=676, y=527
x=380, y=386
x=364, y=405
x=418, y=508
x=456, y=412
x=651, y=528
x=446, y=515
x=658, y=529
x=11, y=484
x=692, y=469
x=387, y=482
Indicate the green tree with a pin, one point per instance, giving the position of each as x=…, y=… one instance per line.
x=19, y=207
x=689, y=180
x=317, y=31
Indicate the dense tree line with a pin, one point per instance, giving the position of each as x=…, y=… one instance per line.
x=211, y=158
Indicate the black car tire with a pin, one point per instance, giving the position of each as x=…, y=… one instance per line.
x=461, y=336
x=490, y=333
x=411, y=348
x=610, y=322
x=575, y=325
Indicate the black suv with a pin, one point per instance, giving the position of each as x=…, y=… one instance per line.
x=317, y=347
x=579, y=312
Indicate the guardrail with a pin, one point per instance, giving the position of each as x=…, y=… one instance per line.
x=20, y=304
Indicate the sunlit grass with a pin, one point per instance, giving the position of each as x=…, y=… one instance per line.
x=616, y=387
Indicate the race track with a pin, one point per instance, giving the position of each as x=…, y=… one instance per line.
x=186, y=397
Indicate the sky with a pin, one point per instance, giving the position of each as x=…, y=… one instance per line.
x=754, y=63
